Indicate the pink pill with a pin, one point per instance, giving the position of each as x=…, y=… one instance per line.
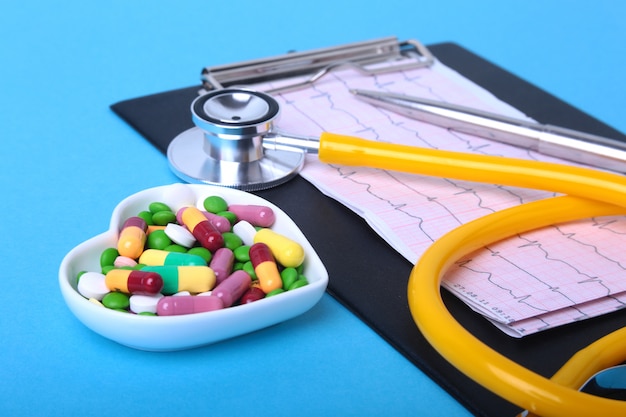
x=179, y=215
x=122, y=261
x=233, y=287
x=188, y=304
x=261, y=216
x=222, y=264
x=221, y=223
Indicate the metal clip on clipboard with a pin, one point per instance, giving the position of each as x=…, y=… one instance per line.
x=369, y=58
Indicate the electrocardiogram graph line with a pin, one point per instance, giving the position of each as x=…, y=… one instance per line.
x=604, y=225
x=594, y=248
x=586, y=278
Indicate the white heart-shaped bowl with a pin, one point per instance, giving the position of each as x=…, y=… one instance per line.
x=168, y=333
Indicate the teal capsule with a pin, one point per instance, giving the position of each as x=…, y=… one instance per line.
x=161, y=257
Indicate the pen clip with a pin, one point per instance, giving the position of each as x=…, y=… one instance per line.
x=369, y=57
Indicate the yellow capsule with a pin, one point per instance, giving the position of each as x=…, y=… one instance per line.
x=132, y=237
x=265, y=267
x=162, y=257
x=192, y=278
x=286, y=251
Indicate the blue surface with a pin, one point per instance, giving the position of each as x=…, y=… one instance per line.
x=67, y=160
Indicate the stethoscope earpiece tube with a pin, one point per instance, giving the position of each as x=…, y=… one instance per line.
x=571, y=180
x=478, y=361
x=591, y=193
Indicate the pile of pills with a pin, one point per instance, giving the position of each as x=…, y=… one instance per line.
x=194, y=260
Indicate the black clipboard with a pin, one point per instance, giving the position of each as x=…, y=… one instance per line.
x=160, y=117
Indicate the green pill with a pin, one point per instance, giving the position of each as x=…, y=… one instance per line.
x=108, y=257
x=247, y=267
x=163, y=218
x=288, y=276
x=297, y=284
x=107, y=268
x=146, y=216
x=204, y=253
x=231, y=240
x=215, y=204
x=232, y=217
x=275, y=292
x=158, y=240
x=175, y=248
x=157, y=206
x=242, y=253
x=80, y=274
x=116, y=301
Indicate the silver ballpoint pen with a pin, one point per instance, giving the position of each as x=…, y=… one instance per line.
x=575, y=146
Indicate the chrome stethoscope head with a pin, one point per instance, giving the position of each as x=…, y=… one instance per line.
x=234, y=143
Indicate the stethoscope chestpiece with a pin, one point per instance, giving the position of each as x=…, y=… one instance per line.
x=226, y=146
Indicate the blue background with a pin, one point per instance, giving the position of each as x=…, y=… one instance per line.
x=67, y=160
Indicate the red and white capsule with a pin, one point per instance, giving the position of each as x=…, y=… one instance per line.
x=265, y=267
x=202, y=229
x=133, y=281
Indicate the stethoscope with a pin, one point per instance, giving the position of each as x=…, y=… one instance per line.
x=235, y=144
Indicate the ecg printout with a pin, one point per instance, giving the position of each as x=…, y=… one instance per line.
x=524, y=284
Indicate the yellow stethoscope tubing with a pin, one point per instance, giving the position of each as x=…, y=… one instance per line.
x=588, y=193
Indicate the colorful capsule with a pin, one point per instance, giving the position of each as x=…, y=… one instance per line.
x=175, y=305
x=265, y=267
x=222, y=263
x=261, y=216
x=134, y=281
x=156, y=257
x=232, y=288
x=202, y=229
x=194, y=279
x=287, y=252
x=132, y=238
